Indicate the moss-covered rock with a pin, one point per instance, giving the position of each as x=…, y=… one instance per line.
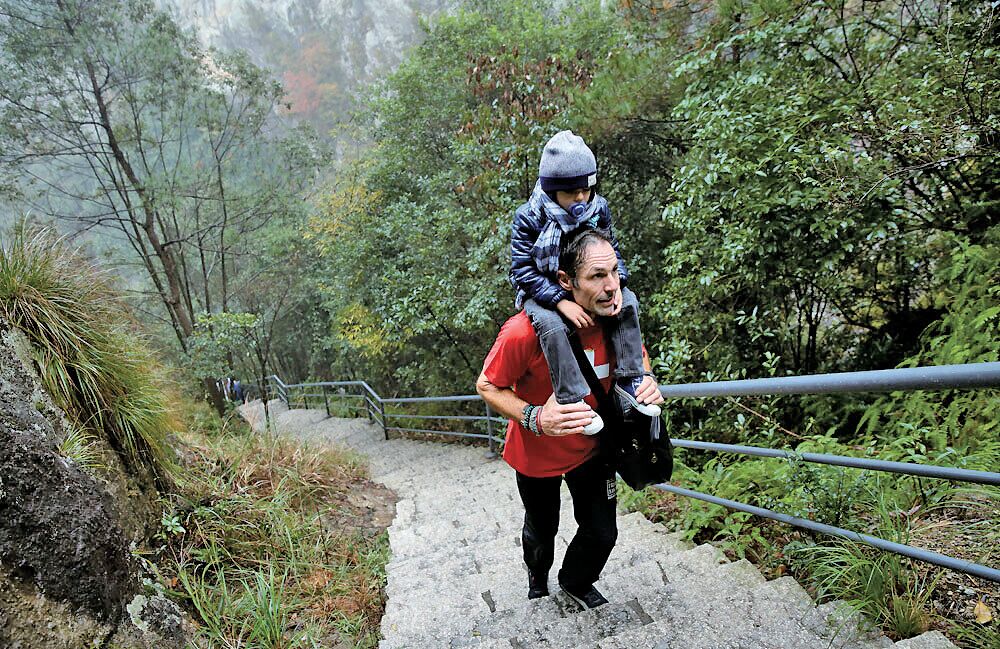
x=66, y=572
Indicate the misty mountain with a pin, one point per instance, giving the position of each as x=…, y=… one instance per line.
x=323, y=51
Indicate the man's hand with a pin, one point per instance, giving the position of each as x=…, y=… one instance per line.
x=576, y=314
x=649, y=391
x=559, y=419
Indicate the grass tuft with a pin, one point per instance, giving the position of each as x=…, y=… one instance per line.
x=80, y=447
x=267, y=549
x=89, y=358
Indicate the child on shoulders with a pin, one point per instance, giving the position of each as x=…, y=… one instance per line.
x=564, y=200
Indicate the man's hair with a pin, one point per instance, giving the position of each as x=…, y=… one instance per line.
x=571, y=254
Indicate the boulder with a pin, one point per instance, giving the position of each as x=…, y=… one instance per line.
x=67, y=576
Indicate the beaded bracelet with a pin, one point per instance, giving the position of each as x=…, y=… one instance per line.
x=533, y=421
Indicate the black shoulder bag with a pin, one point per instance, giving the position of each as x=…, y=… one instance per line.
x=636, y=446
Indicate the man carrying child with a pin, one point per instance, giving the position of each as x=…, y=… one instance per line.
x=566, y=264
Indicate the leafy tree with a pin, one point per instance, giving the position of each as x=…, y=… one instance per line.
x=833, y=153
x=419, y=236
x=122, y=122
x=214, y=349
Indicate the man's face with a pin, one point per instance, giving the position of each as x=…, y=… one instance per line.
x=596, y=284
x=567, y=198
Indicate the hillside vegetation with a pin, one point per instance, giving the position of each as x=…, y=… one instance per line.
x=135, y=519
x=798, y=187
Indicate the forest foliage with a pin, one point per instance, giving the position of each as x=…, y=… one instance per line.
x=798, y=187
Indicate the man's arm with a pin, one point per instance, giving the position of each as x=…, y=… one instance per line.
x=502, y=401
x=554, y=419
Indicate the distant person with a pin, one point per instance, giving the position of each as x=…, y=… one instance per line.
x=238, y=390
x=564, y=201
x=545, y=441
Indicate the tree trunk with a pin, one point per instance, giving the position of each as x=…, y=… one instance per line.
x=214, y=396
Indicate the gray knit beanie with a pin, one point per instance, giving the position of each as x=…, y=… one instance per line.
x=567, y=163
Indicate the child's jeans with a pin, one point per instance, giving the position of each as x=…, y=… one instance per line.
x=567, y=379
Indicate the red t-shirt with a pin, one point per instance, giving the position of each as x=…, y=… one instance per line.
x=516, y=361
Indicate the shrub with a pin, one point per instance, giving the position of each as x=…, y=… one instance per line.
x=263, y=546
x=90, y=358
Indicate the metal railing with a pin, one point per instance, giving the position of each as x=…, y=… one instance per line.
x=972, y=375
x=390, y=420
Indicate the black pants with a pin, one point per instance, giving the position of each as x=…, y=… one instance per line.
x=592, y=486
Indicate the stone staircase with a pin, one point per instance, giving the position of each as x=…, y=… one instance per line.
x=456, y=578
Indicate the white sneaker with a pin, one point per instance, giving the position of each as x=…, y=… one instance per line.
x=625, y=392
x=595, y=426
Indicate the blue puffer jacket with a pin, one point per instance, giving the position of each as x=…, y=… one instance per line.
x=529, y=281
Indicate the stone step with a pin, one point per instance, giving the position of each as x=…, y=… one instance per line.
x=736, y=606
x=569, y=626
x=504, y=581
x=420, y=476
x=436, y=540
x=457, y=578
x=928, y=640
x=456, y=488
x=499, y=555
x=420, y=480
x=503, y=589
x=505, y=508
x=410, y=510
x=709, y=619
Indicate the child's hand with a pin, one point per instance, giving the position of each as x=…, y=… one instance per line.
x=616, y=303
x=575, y=313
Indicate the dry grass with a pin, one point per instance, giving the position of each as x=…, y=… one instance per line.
x=272, y=547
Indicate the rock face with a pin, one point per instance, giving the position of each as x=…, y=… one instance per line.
x=58, y=527
x=323, y=51
x=362, y=37
x=66, y=573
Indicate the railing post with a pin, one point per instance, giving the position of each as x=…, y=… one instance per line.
x=492, y=452
x=305, y=399
x=368, y=403
x=381, y=412
x=267, y=410
x=326, y=401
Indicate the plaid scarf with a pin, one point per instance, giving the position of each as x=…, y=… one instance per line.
x=557, y=221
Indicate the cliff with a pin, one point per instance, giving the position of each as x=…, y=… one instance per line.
x=324, y=51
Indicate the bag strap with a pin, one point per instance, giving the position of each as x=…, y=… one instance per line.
x=603, y=399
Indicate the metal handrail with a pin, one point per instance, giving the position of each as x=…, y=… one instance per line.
x=457, y=397
x=440, y=432
x=940, y=377
x=970, y=375
x=906, y=468
x=960, y=565
x=455, y=417
x=374, y=406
